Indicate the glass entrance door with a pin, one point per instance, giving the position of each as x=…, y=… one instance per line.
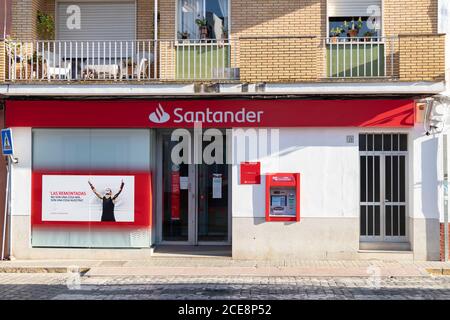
x=195, y=198
x=177, y=197
x=212, y=201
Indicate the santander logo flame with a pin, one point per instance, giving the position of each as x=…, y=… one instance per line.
x=159, y=116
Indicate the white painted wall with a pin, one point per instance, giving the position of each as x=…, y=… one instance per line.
x=426, y=174
x=21, y=172
x=328, y=164
x=329, y=173
x=329, y=168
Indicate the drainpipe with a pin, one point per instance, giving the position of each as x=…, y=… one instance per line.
x=445, y=151
x=155, y=28
x=5, y=16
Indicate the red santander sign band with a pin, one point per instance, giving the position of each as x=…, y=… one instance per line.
x=210, y=113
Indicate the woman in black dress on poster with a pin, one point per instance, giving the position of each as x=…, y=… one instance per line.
x=109, y=202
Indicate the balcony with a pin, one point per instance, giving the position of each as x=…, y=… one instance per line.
x=248, y=59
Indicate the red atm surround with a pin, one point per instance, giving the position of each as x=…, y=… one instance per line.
x=282, y=180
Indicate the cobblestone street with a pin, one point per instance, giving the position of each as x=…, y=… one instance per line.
x=67, y=287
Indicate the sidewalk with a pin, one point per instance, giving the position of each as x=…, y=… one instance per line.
x=222, y=266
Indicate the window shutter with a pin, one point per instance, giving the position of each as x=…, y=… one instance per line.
x=99, y=21
x=349, y=8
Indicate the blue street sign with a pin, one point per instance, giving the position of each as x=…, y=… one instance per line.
x=7, y=143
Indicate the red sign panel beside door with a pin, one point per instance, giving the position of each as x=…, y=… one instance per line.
x=211, y=113
x=250, y=173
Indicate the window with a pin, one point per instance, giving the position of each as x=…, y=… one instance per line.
x=360, y=27
x=349, y=18
x=71, y=156
x=202, y=19
x=355, y=47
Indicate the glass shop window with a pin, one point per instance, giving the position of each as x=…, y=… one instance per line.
x=91, y=188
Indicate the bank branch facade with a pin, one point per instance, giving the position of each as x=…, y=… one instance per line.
x=273, y=179
x=275, y=129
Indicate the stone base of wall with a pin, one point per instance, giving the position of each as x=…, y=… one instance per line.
x=442, y=241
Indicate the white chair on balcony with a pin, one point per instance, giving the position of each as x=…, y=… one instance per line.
x=143, y=66
x=142, y=62
x=56, y=67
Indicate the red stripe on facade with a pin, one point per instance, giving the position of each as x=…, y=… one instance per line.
x=212, y=113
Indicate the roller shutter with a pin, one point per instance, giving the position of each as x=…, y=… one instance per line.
x=350, y=8
x=99, y=21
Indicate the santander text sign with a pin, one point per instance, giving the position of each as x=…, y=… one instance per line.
x=211, y=113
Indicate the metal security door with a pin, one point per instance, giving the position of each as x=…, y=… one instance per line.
x=383, y=195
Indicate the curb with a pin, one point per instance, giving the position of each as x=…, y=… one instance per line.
x=43, y=270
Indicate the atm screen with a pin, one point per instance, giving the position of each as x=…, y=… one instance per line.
x=278, y=201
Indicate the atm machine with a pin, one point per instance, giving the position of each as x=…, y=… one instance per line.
x=283, y=197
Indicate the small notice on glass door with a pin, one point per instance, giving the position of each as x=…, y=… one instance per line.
x=217, y=186
x=184, y=183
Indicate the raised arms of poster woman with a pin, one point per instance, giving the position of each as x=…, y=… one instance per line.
x=95, y=191
x=120, y=190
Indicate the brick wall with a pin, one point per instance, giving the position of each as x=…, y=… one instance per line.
x=22, y=21
x=24, y=14
x=291, y=59
x=144, y=19
x=263, y=18
x=278, y=18
x=421, y=57
x=410, y=16
x=167, y=32
x=418, y=17
x=254, y=18
x=167, y=23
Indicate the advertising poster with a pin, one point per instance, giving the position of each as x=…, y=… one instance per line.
x=88, y=198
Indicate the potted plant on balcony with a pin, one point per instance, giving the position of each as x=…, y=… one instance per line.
x=36, y=66
x=224, y=33
x=335, y=33
x=353, y=27
x=45, y=26
x=183, y=35
x=368, y=36
x=203, y=28
x=130, y=68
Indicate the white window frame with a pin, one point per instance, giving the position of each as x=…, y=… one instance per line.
x=136, y=22
x=327, y=35
x=204, y=14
